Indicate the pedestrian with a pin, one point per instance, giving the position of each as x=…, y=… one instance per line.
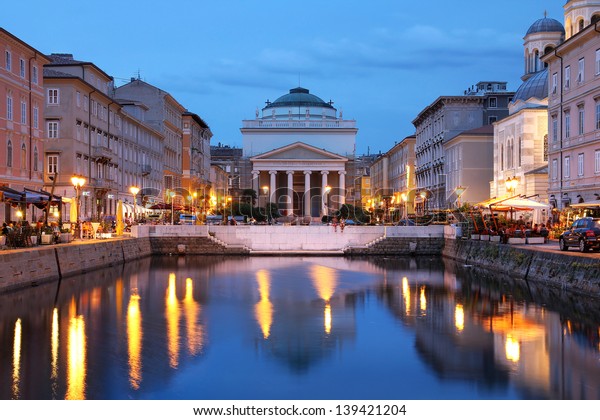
x=334, y=222
x=342, y=225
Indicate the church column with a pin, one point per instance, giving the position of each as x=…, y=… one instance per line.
x=342, y=198
x=256, y=183
x=324, y=192
x=272, y=187
x=290, y=192
x=307, y=193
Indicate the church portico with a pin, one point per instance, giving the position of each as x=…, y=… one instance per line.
x=300, y=179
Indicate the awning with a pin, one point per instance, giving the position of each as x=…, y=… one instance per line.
x=37, y=198
x=128, y=208
x=595, y=203
x=517, y=204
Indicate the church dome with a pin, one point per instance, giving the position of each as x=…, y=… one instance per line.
x=534, y=87
x=299, y=97
x=545, y=24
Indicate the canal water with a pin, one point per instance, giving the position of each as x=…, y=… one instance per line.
x=297, y=328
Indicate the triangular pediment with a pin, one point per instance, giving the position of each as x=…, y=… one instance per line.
x=298, y=151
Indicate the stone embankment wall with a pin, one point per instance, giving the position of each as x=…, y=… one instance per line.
x=559, y=270
x=400, y=246
x=30, y=266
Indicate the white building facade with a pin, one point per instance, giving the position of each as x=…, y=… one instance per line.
x=299, y=150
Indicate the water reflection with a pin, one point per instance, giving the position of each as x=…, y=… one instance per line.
x=198, y=328
x=77, y=351
x=325, y=280
x=16, y=375
x=173, y=314
x=264, y=308
x=134, y=340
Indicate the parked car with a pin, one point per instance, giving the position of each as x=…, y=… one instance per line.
x=406, y=222
x=584, y=233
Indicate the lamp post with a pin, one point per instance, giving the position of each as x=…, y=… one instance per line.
x=134, y=191
x=78, y=183
x=424, y=197
x=404, y=198
x=326, y=200
x=171, y=195
x=459, y=192
x=512, y=184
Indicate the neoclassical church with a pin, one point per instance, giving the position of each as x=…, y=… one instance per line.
x=521, y=139
x=299, y=150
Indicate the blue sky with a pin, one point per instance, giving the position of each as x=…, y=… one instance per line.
x=381, y=62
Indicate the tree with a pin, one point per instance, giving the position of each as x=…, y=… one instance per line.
x=248, y=196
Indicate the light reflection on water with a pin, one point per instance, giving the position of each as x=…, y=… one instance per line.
x=296, y=328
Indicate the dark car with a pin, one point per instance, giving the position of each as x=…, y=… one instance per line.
x=406, y=222
x=585, y=234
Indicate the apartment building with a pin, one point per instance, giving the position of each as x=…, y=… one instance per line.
x=165, y=115
x=574, y=108
x=21, y=119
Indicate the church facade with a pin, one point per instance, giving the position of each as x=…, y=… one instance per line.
x=299, y=151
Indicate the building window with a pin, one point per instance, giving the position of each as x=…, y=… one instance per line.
x=546, y=148
x=567, y=77
x=34, y=75
x=493, y=103
x=9, y=108
x=36, y=117
x=554, y=129
x=580, y=128
x=519, y=152
x=53, y=98
x=554, y=82
x=567, y=167
x=23, y=156
x=598, y=61
x=554, y=169
x=598, y=115
x=580, y=164
x=78, y=99
x=85, y=102
x=567, y=124
x=492, y=120
x=8, y=60
x=52, y=164
x=52, y=129
x=22, y=68
x=9, y=154
x=23, y=112
x=36, y=157
x=580, y=70
x=597, y=161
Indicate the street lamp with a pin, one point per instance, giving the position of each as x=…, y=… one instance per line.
x=404, y=198
x=459, y=191
x=326, y=200
x=512, y=184
x=78, y=183
x=134, y=190
x=424, y=197
x=172, y=194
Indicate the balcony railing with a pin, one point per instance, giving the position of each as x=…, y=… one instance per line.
x=101, y=183
x=104, y=153
x=299, y=124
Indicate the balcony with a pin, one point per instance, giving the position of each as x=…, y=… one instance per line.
x=102, y=153
x=104, y=184
x=146, y=169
